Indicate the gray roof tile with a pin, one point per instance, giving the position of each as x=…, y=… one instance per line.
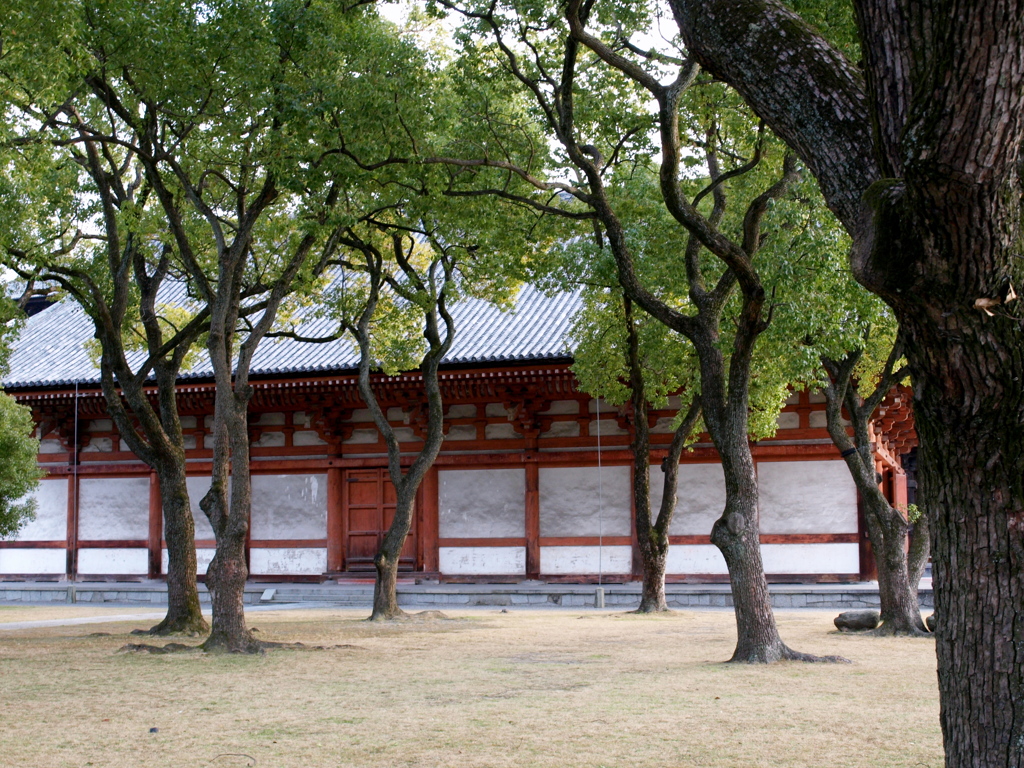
x=51, y=348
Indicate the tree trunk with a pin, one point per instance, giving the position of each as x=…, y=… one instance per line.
x=652, y=594
x=184, y=614
x=737, y=536
x=897, y=591
x=385, y=590
x=920, y=551
x=226, y=579
x=886, y=527
x=978, y=545
x=228, y=572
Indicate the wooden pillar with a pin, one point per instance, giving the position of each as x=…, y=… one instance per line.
x=429, y=522
x=335, y=528
x=532, y=518
x=638, y=562
x=899, y=490
x=156, y=527
x=71, y=566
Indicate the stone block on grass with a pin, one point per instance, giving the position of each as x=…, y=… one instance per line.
x=857, y=621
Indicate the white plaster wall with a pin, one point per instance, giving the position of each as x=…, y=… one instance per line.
x=695, y=558
x=307, y=437
x=203, y=558
x=288, y=561
x=806, y=497
x=569, y=560
x=33, y=561
x=607, y=427
x=500, y=431
x=197, y=488
x=270, y=440
x=270, y=419
x=113, y=561
x=113, y=508
x=462, y=411
x=50, y=446
x=585, y=501
x=700, y=498
x=362, y=436
x=51, y=523
x=563, y=407
x=496, y=409
x=778, y=558
x=482, y=561
x=481, y=503
x=789, y=420
x=563, y=429
x=289, y=506
x=810, y=558
x=461, y=432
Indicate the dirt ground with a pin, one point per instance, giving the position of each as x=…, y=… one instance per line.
x=481, y=688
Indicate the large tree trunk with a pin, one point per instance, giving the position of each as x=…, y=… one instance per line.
x=736, y=534
x=184, y=614
x=940, y=171
x=652, y=592
x=227, y=574
x=973, y=441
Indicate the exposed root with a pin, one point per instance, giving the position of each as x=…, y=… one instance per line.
x=887, y=630
x=643, y=610
x=183, y=626
x=157, y=649
x=263, y=647
x=402, y=616
x=784, y=653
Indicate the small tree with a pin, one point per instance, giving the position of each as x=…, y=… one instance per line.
x=19, y=470
x=853, y=385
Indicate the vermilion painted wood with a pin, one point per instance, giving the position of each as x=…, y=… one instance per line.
x=532, y=508
x=477, y=542
x=335, y=521
x=72, y=525
x=156, y=525
x=113, y=544
x=429, y=527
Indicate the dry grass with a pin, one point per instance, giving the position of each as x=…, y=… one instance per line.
x=551, y=688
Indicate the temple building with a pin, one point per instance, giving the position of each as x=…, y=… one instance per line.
x=533, y=480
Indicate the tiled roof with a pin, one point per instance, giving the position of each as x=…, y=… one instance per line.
x=51, y=348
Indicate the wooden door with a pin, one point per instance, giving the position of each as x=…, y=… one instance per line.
x=369, y=507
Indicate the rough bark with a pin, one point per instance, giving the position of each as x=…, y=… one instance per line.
x=152, y=431
x=428, y=289
x=652, y=535
x=229, y=517
x=184, y=614
x=887, y=528
x=938, y=238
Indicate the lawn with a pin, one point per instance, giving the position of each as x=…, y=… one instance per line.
x=480, y=688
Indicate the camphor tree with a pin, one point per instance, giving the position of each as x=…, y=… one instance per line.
x=860, y=381
x=242, y=119
x=77, y=213
x=19, y=447
x=918, y=152
x=624, y=357
x=572, y=91
x=393, y=278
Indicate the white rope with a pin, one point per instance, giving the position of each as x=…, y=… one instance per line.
x=600, y=502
